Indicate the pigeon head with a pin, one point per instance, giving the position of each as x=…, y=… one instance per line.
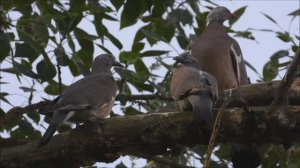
x=187, y=59
x=219, y=14
x=104, y=61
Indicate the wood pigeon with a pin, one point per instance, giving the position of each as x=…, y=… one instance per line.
x=220, y=55
x=88, y=99
x=193, y=89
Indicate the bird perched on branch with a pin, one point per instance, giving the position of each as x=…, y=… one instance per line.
x=85, y=100
x=193, y=89
x=221, y=56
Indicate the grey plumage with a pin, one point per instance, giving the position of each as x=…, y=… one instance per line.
x=90, y=98
x=193, y=89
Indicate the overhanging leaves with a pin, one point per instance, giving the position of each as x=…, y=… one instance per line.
x=46, y=70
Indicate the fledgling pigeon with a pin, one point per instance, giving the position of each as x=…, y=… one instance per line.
x=194, y=89
x=221, y=56
x=89, y=98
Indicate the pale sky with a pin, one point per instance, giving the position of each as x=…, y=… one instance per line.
x=257, y=53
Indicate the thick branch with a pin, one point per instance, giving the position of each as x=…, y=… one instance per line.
x=149, y=135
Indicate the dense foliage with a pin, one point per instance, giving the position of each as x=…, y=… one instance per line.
x=46, y=41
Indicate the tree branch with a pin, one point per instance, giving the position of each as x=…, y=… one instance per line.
x=150, y=134
x=280, y=103
x=260, y=94
x=285, y=84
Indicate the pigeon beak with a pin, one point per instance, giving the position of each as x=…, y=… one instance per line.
x=118, y=64
x=177, y=59
x=233, y=16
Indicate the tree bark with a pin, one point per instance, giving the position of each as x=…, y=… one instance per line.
x=160, y=133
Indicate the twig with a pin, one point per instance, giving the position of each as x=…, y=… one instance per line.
x=287, y=81
x=59, y=78
x=279, y=104
x=215, y=131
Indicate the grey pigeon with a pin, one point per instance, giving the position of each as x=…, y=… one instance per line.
x=194, y=89
x=88, y=99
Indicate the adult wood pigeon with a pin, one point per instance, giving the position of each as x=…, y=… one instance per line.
x=221, y=56
x=85, y=100
x=193, y=89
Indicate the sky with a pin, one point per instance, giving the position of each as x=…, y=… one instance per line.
x=255, y=52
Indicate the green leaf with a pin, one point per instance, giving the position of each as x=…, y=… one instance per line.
x=12, y=118
x=121, y=165
x=164, y=30
x=27, y=89
x=142, y=70
x=239, y=12
x=2, y=97
x=279, y=54
x=274, y=154
x=34, y=116
x=46, y=70
x=151, y=53
x=245, y=34
x=270, y=70
x=194, y=5
x=140, y=86
x=77, y=6
x=125, y=73
x=138, y=46
x=24, y=68
x=181, y=15
x=61, y=57
x=295, y=48
x=295, y=13
x=223, y=152
x=79, y=33
x=67, y=22
x=73, y=68
x=104, y=49
x=24, y=50
x=139, y=34
x=132, y=10
x=79, y=65
x=5, y=46
x=128, y=57
x=25, y=126
x=251, y=67
x=269, y=17
x=131, y=111
x=71, y=43
x=152, y=37
x=293, y=156
x=158, y=8
x=115, y=41
x=183, y=42
x=201, y=22
x=24, y=7
x=108, y=17
x=284, y=36
x=53, y=88
x=87, y=47
x=117, y=3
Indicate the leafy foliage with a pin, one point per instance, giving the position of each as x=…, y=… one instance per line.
x=47, y=36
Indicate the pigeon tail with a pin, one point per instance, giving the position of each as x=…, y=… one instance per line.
x=56, y=121
x=202, y=108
